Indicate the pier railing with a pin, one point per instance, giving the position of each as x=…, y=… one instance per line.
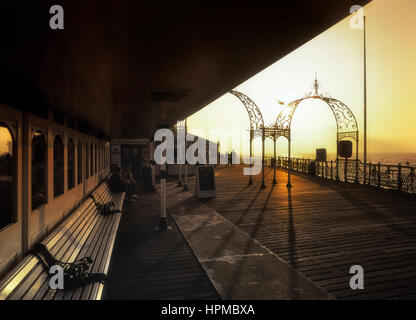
x=386, y=176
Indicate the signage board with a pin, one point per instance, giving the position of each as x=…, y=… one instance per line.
x=205, y=181
x=321, y=155
x=345, y=149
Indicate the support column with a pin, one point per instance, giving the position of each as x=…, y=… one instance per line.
x=163, y=216
x=262, y=158
x=185, y=186
x=152, y=165
x=289, y=182
x=275, y=161
x=180, y=176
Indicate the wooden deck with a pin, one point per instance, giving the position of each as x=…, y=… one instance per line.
x=323, y=228
x=153, y=265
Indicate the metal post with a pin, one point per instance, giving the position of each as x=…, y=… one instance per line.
x=163, y=216
x=289, y=183
x=180, y=176
x=365, y=99
x=275, y=161
x=399, y=177
x=346, y=170
x=369, y=173
x=185, y=187
x=357, y=164
x=251, y=155
x=262, y=158
x=379, y=175
x=412, y=179
x=332, y=174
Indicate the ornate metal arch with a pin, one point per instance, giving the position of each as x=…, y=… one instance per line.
x=256, y=118
x=347, y=125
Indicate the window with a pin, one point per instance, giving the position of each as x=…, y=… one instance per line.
x=58, y=166
x=95, y=159
x=71, y=164
x=91, y=160
x=79, y=162
x=39, y=170
x=7, y=178
x=87, y=162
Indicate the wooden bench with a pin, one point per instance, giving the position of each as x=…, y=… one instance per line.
x=85, y=233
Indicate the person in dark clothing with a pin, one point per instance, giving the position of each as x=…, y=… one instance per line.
x=115, y=181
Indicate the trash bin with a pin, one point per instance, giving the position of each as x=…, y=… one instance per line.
x=312, y=168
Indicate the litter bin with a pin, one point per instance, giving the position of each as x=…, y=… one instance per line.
x=312, y=168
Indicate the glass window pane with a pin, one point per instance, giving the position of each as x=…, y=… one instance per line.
x=7, y=178
x=39, y=170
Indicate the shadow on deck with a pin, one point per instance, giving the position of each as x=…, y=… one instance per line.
x=322, y=228
x=153, y=265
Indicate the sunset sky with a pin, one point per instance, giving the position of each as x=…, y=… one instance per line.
x=337, y=57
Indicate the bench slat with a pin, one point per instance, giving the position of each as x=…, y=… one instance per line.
x=84, y=233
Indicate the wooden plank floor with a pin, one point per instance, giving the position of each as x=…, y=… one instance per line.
x=152, y=265
x=323, y=228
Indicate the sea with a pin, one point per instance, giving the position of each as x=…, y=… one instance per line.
x=408, y=159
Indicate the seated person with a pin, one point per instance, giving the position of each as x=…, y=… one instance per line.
x=115, y=182
x=128, y=181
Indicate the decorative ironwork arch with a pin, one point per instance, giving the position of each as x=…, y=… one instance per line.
x=347, y=125
x=254, y=114
x=257, y=127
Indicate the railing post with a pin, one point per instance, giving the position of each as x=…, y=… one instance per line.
x=326, y=169
x=332, y=165
x=337, y=170
x=346, y=170
x=357, y=168
x=379, y=175
x=399, y=177
x=412, y=179
x=369, y=174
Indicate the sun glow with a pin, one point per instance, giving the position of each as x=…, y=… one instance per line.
x=337, y=57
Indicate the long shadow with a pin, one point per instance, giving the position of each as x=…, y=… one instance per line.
x=292, y=243
x=368, y=210
x=259, y=220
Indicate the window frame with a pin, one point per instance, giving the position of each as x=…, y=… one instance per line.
x=70, y=140
x=62, y=171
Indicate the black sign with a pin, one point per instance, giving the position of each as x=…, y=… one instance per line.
x=321, y=155
x=205, y=179
x=345, y=149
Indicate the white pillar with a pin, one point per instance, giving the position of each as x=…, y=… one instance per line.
x=185, y=187
x=180, y=175
x=163, y=216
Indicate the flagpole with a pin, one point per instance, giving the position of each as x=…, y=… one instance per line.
x=365, y=100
